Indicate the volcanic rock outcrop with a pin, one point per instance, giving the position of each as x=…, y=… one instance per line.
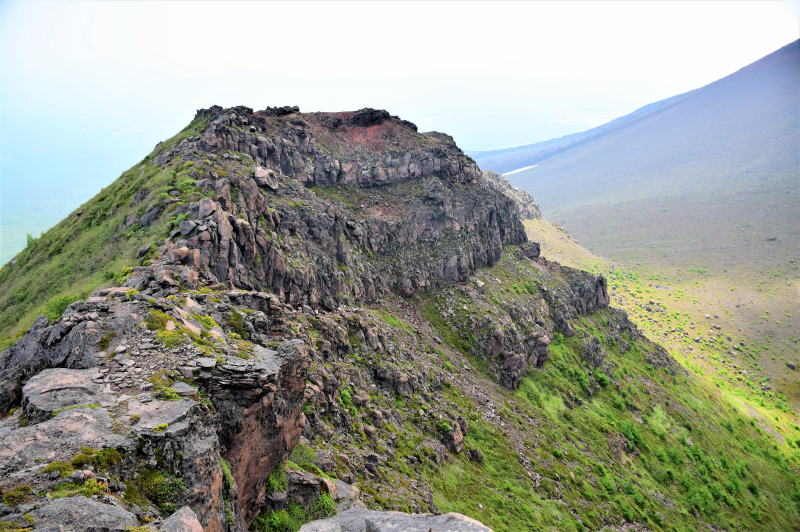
x=265, y=314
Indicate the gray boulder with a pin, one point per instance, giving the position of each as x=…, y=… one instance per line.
x=59, y=388
x=81, y=513
x=358, y=520
x=184, y=520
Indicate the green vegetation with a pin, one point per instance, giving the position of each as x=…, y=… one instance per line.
x=295, y=516
x=16, y=495
x=642, y=436
x=63, y=467
x=277, y=481
x=88, y=488
x=92, y=247
x=100, y=459
x=303, y=457
x=162, y=381
x=393, y=320
x=156, y=487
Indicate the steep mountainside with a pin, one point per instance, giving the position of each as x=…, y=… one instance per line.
x=306, y=313
x=514, y=159
x=709, y=175
x=701, y=190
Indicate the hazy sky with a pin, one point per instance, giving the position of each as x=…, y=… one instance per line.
x=88, y=88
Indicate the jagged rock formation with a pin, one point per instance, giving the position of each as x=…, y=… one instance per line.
x=528, y=209
x=269, y=311
x=266, y=229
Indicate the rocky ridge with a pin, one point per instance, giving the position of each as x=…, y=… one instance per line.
x=269, y=315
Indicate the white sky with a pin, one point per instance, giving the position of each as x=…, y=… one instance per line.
x=491, y=74
x=88, y=88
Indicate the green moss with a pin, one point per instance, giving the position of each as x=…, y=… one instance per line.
x=155, y=487
x=277, y=481
x=14, y=526
x=227, y=475
x=105, y=340
x=101, y=459
x=16, y=495
x=393, y=320
x=235, y=322
x=295, y=516
x=63, y=467
x=162, y=381
x=168, y=394
x=157, y=320
x=172, y=339
x=89, y=488
x=161, y=427
x=206, y=321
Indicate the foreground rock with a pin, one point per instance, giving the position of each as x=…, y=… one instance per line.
x=357, y=520
x=133, y=429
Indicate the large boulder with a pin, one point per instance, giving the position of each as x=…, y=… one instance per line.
x=359, y=520
x=78, y=514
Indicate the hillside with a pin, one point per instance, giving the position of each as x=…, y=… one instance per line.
x=679, y=313
x=707, y=177
x=308, y=313
x=700, y=190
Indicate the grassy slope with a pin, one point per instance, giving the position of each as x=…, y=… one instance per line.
x=572, y=448
x=611, y=448
x=86, y=251
x=738, y=273
x=671, y=306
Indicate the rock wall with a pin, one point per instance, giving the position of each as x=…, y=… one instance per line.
x=393, y=223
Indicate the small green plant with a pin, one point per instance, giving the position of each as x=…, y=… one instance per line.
x=277, y=481
x=206, y=321
x=55, y=306
x=88, y=488
x=235, y=322
x=443, y=426
x=16, y=495
x=168, y=394
x=63, y=468
x=157, y=320
x=321, y=508
x=295, y=516
x=161, y=427
x=227, y=474
x=156, y=487
x=105, y=340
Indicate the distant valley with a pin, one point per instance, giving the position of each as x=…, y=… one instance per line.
x=701, y=190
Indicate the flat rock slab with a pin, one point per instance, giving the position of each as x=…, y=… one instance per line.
x=155, y=414
x=183, y=389
x=81, y=513
x=358, y=520
x=58, y=388
x=57, y=439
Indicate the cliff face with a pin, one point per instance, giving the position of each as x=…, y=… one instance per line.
x=326, y=208
x=317, y=275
